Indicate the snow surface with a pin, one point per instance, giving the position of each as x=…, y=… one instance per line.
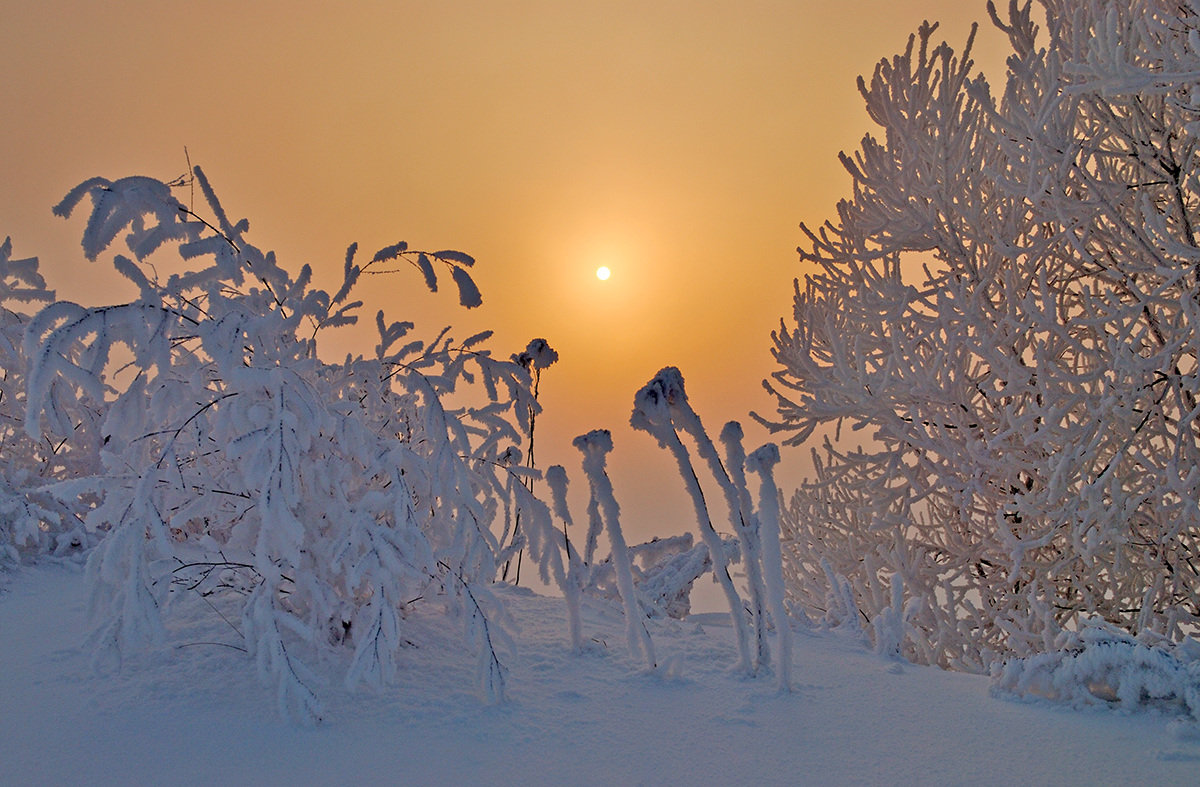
x=195, y=714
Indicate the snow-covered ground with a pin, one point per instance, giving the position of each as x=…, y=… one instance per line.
x=194, y=713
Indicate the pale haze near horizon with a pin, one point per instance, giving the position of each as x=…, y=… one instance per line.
x=680, y=144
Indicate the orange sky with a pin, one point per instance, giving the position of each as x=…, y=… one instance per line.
x=679, y=143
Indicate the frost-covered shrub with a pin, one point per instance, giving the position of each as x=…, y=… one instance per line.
x=663, y=572
x=326, y=498
x=33, y=523
x=1028, y=395
x=1100, y=665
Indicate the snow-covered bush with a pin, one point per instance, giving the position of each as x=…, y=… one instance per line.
x=1008, y=307
x=1100, y=665
x=31, y=522
x=664, y=571
x=326, y=498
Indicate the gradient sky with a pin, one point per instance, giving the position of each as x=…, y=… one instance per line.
x=680, y=143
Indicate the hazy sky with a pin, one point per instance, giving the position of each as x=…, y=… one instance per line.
x=679, y=143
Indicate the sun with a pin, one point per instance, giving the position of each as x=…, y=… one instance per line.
x=602, y=273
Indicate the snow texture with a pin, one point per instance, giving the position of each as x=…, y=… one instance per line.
x=189, y=714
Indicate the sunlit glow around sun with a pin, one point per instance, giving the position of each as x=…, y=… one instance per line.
x=602, y=273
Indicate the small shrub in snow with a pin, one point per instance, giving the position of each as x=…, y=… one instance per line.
x=1101, y=665
x=668, y=569
x=664, y=571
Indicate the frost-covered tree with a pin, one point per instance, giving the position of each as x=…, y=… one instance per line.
x=318, y=500
x=1008, y=306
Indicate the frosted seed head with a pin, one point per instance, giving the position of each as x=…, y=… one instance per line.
x=597, y=440
x=763, y=458
x=538, y=355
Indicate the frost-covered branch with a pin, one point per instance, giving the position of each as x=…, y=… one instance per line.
x=595, y=446
x=654, y=412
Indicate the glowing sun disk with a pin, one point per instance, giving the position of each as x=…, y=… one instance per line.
x=602, y=273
